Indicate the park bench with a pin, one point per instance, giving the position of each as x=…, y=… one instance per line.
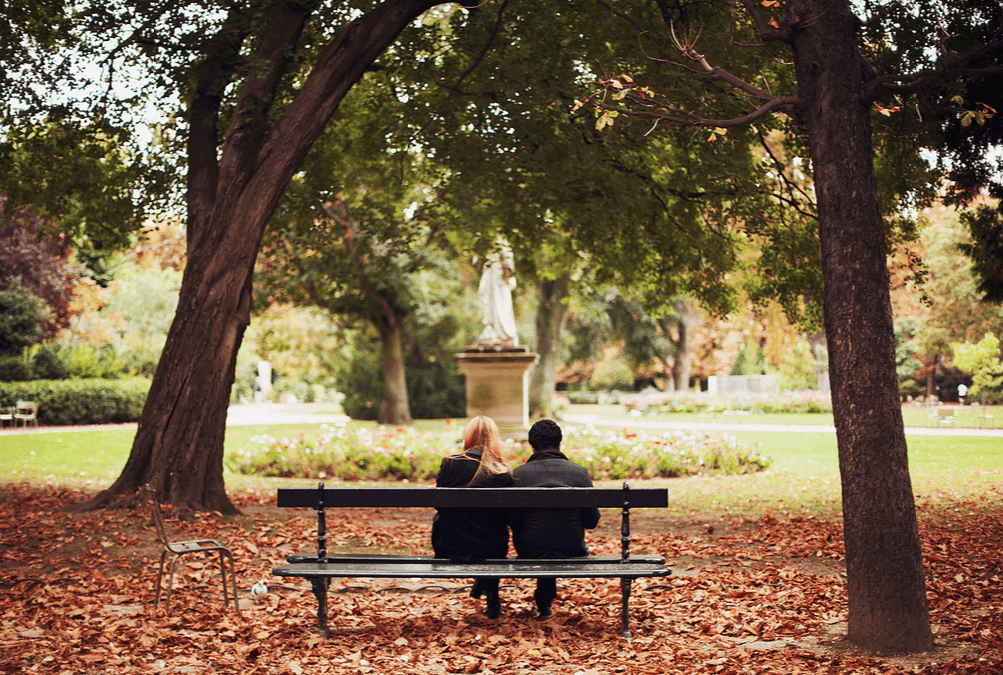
x=322, y=567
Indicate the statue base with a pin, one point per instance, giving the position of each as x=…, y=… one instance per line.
x=498, y=386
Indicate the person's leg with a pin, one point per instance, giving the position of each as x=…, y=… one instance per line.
x=492, y=609
x=546, y=591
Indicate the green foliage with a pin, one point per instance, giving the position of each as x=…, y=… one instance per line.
x=86, y=181
x=46, y=363
x=434, y=382
x=14, y=369
x=80, y=401
x=750, y=360
x=986, y=250
x=360, y=378
x=405, y=454
x=86, y=361
x=20, y=318
x=612, y=372
x=982, y=360
x=797, y=371
x=144, y=300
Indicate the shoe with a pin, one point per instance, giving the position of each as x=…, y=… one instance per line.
x=493, y=608
x=477, y=590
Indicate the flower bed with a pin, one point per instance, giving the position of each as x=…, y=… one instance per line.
x=785, y=402
x=353, y=453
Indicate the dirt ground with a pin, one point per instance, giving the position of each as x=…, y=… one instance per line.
x=746, y=596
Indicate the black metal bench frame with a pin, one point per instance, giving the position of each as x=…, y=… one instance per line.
x=320, y=569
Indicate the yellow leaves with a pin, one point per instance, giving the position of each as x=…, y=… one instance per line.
x=715, y=133
x=606, y=119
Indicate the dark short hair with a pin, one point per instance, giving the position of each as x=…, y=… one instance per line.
x=545, y=434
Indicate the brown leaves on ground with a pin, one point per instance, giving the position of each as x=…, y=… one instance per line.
x=764, y=596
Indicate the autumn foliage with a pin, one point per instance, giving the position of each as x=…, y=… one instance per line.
x=747, y=597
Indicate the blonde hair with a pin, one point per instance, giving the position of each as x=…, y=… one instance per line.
x=482, y=434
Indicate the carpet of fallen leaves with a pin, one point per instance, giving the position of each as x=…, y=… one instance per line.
x=748, y=597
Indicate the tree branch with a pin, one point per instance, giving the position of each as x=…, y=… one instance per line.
x=910, y=84
x=785, y=104
x=770, y=33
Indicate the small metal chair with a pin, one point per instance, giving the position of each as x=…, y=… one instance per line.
x=26, y=412
x=180, y=548
x=6, y=415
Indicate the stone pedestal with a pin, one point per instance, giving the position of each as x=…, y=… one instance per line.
x=498, y=387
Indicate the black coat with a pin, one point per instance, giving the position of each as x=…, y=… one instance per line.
x=551, y=533
x=467, y=535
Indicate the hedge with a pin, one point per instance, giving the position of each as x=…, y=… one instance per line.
x=90, y=401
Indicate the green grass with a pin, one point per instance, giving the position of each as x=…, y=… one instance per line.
x=971, y=417
x=804, y=478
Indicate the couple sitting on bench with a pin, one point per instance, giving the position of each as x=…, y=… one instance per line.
x=472, y=534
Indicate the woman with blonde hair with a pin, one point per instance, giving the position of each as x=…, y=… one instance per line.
x=470, y=534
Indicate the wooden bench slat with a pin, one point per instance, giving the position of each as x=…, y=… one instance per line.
x=389, y=559
x=511, y=570
x=513, y=497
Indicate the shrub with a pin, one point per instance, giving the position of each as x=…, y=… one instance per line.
x=14, y=369
x=358, y=453
x=784, y=402
x=95, y=401
x=46, y=363
x=20, y=318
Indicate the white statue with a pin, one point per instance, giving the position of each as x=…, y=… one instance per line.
x=497, y=282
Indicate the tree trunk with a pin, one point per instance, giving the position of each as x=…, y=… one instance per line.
x=178, y=448
x=395, y=408
x=931, y=377
x=681, y=360
x=551, y=317
x=886, y=589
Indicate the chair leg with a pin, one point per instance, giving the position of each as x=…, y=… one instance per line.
x=233, y=576
x=170, y=583
x=222, y=574
x=160, y=575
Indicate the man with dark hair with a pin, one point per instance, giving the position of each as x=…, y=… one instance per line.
x=553, y=532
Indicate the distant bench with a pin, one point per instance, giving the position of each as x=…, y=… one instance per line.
x=321, y=568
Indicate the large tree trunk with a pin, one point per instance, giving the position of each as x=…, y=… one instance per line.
x=178, y=448
x=395, y=408
x=551, y=317
x=886, y=589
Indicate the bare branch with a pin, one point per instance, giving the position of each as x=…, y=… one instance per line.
x=786, y=104
x=910, y=84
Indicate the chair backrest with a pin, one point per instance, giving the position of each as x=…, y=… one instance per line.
x=158, y=517
x=27, y=408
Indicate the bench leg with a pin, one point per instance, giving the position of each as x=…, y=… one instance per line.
x=320, y=592
x=625, y=607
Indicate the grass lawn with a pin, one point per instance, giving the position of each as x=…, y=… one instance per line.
x=970, y=417
x=804, y=478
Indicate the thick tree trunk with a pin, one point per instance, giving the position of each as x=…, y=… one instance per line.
x=551, y=317
x=178, y=448
x=886, y=589
x=395, y=408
